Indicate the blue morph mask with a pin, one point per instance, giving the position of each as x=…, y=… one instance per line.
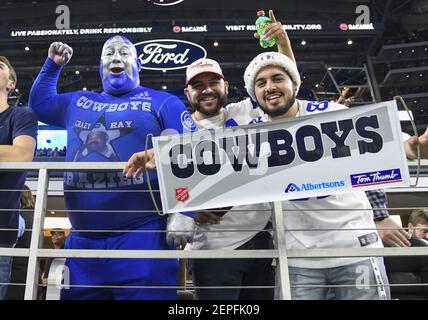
x=119, y=66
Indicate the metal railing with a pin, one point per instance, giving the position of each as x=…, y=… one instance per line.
x=279, y=253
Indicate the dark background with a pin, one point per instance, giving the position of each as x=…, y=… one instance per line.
x=395, y=53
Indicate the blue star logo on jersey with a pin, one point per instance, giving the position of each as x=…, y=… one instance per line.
x=291, y=188
x=99, y=140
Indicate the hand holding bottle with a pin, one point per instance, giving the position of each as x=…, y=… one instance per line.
x=275, y=31
x=262, y=23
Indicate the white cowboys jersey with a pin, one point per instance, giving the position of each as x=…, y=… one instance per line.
x=240, y=218
x=349, y=225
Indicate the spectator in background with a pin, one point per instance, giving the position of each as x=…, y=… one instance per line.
x=418, y=224
x=20, y=264
x=343, y=98
x=391, y=233
x=55, y=153
x=58, y=240
x=17, y=142
x=347, y=100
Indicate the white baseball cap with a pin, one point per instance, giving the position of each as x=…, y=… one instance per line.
x=203, y=65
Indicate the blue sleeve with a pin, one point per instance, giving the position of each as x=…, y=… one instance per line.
x=25, y=124
x=49, y=106
x=173, y=114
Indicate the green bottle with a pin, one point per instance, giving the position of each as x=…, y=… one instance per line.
x=261, y=23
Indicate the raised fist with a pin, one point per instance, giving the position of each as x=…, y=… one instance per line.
x=60, y=53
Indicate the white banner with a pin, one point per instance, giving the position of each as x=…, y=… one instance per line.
x=309, y=156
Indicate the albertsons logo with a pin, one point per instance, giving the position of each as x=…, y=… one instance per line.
x=292, y=187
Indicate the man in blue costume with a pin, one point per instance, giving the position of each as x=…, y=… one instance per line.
x=111, y=126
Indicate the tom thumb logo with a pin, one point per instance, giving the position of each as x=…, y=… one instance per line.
x=168, y=54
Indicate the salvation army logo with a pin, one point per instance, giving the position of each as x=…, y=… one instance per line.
x=168, y=54
x=187, y=121
x=291, y=188
x=182, y=194
x=343, y=26
x=164, y=2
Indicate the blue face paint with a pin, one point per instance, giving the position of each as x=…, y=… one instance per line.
x=119, y=66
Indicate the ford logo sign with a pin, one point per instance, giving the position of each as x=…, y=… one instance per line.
x=166, y=2
x=168, y=54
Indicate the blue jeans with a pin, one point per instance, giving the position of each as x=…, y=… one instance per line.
x=358, y=281
x=5, y=270
x=236, y=272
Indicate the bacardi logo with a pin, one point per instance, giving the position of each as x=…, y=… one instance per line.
x=178, y=29
x=346, y=27
x=168, y=54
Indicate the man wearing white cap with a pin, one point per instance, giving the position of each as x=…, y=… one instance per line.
x=207, y=92
x=243, y=227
